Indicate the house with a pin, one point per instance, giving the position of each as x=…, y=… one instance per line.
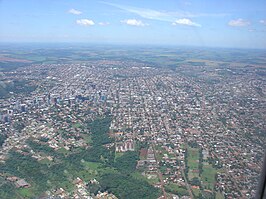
x=22, y=183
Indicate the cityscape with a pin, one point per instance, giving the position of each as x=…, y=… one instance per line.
x=132, y=99
x=125, y=127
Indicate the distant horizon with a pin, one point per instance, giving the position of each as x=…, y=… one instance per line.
x=230, y=24
x=117, y=44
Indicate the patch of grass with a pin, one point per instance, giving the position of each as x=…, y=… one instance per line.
x=175, y=189
x=208, y=176
x=196, y=192
x=87, y=138
x=26, y=192
x=138, y=175
x=92, y=165
x=45, y=161
x=95, y=169
x=219, y=195
x=107, y=170
x=193, y=162
x=77, y=125
x=192, y=175
x=117, y=154
x=193, y=158
x=87, y=174
x=152, y=179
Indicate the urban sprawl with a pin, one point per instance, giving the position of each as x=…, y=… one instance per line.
x=193, y=138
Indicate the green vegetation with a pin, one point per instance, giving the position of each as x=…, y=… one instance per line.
x=19, y=125
x=100, y=129
x=92, y=165
x=63, y=151
x=175, y=189
x=26, y=192
x=127, y=162
x=196, y=192
x=96, y=162
x=118, y=154
x=193, y=162
x=128, y=187
x=87, y=138
x=9, y=66
x=208, y=176
x=219, y=195
x=193, y=157
x=151, y=179
x=7, y=191
x=43, y=148
x=77, y=125
x=2, y=139
x=17, y=86
x=195, y=181
x=22, y=165
x=200, y=173
x=45, y=161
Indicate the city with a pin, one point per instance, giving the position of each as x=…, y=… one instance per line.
x=194, y=131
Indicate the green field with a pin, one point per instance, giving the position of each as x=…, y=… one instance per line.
x=45, y=161
x=193, y=162
x=196, y=192
x=175, y=189
x=208, y=176
x=193, y=158
x=92, y=165
x=95, y=169
x=26, y=192
x=117, y=155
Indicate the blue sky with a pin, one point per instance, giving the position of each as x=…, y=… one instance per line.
x=215, y=23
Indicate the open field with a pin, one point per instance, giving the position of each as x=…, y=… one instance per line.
x=155, y=57
x=193, y=162
x=208, y=176
x=175, y=189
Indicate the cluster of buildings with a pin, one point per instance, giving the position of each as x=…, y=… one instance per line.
x=158, y=106
x=80, y=191
x=128, y=145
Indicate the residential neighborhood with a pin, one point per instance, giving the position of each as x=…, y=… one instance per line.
x=195, y=139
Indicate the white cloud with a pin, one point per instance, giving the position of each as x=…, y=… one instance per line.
x=85, y=22
x=186, y=22
x=163, y=15
x=238, y=22
x=104, y=23
x=187, y=3
x=133, y=22
x=74, y=12
x=263, y=22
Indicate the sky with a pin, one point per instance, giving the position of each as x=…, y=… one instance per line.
x=206, y=23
